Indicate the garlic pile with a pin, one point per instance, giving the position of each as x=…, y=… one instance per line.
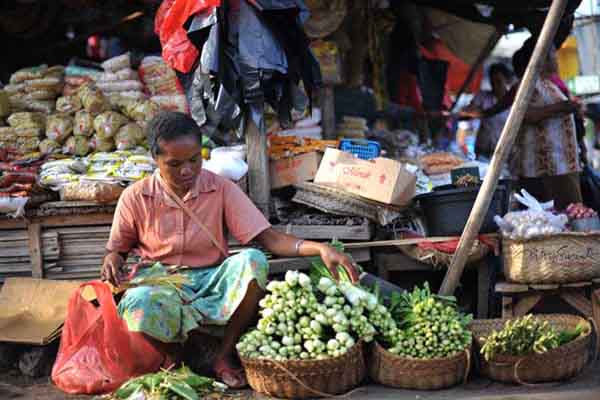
x=531, y=224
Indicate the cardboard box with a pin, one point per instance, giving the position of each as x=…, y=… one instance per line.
x=380, y=179
x=294, y=170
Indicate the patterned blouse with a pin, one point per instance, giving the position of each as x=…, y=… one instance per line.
x=549, y=147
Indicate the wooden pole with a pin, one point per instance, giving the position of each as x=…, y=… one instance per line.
x=327, y=100
x=485, y=52
x=258, y=167
x=507, y=138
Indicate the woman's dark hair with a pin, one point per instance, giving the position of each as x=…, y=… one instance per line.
x=500, y=68
x=522, y=56
x=169, y=125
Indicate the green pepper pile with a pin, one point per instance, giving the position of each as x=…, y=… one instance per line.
x=179, y=384
x=526, y=335
x=430, y=326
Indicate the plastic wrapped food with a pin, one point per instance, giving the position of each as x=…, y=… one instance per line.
x=51, y=84
x=117, y=63
x=65, y=166
x=92, y=99
x=100, y=192
x=28, y=132
x=7, y=134
x=28, y=74
x=40, y=95
x=536, y=221
x=43, y=106
x=133, y=95
x=74, y=70
x=84, y=124
x=55, y=71
x=27, y=120
x=163, y=87
x=77, y=80
x=59, y=127
x=48, y=146
x=70, y=90
x=108, y=123
x=4, y=104
x=104, y=145
x=121, y=75
x=27, y=144
x=68, y=104
x=120, y=86
x=57, y=180
x=440, y=163
x=14, y=88
x=142, y=110
x=173, y=102
x=77, y=145
x=129, y=136
x=17, y=103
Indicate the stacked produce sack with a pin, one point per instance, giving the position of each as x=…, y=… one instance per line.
x=161, y=84
x=119, y=79
x=88, y=121
x=35, y=88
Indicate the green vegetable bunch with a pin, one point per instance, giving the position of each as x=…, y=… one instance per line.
x=179, y=384
x=296, y=324
x=526, y=335
x=303, y=321
x=430, y=326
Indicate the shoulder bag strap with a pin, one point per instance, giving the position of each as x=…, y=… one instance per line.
x=195, y=218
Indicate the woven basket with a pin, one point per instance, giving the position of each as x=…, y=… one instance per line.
x=563, y=258
x=307, y=378
x=335, y=201
x=559, y=364
x=408, y=373
x=439, y=259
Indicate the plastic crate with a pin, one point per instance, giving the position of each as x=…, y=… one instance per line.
x=364, y=149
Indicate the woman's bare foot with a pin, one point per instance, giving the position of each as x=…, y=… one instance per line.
x=230, y=374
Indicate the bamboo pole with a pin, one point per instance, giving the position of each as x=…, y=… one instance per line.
x=507, y=138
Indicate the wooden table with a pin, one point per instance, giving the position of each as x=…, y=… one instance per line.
x=520, y=299
x=65, y=240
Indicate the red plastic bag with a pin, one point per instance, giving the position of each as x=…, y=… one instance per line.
x=178, y=51
x=97, y=352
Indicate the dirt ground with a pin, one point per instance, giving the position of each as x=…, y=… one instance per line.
x=584, y=387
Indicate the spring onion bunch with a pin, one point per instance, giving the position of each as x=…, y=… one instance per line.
x=294, y=324
x=526, y=335
x=179, y=384
x=370, y=316
x=303, y=321
x=430, y=326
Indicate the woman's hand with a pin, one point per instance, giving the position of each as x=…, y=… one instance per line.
x=332, y=258
x=285, y=245
x=112, y=269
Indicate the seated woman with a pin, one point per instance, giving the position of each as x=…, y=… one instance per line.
x=150, y=222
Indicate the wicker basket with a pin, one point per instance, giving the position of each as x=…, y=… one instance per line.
x=332, y=200
x=408, y=373
x=439, y=259
x=563, y=258
x=559, y=364
x=307, y=378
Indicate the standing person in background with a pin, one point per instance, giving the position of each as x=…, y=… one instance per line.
x=491, y=126
x=546, y=153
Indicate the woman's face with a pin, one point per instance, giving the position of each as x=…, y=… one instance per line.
x=552, y=62
x=180, y=161
x=499, y=84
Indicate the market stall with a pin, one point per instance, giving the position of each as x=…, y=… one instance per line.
x=317, y=176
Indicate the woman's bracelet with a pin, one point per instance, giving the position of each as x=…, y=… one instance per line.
x=298, y=245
